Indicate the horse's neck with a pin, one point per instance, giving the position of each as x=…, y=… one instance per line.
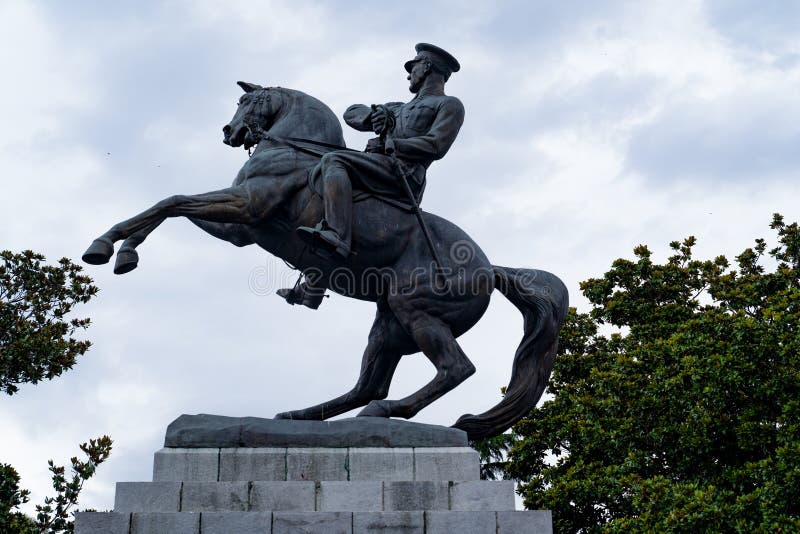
x=291, y=124
x=299, y=116
x=305, y=118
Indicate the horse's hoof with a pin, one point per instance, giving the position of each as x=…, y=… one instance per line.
x=99, y=252
x=376, y=408
x=127, y=260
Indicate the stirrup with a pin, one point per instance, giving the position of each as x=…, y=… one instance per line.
x=323, y=238
x=298, y=295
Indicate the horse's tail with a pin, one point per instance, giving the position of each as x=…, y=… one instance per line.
x=543, y=300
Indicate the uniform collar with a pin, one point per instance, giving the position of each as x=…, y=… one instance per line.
x=427, y=92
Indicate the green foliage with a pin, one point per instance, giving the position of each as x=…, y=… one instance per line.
x=688, y=420
x=11, y=497
x=36, y=343
x=36, y=340
x=54, y=515
x=492, y=453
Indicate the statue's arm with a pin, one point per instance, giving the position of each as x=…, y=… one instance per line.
x=439, y=138
x=358, y=115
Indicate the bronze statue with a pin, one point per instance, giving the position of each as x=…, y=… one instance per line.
x=352, y=219
x=393, y=166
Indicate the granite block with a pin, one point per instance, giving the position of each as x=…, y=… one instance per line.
x=165, y=522
x=381, y=463
x=426, y=495
x=147, y=497
x=460, y=522
x=388, y=523
x=102, y=523
x=312, y=523
x=337, y=496
x=316, y=464
x=252, y=464
x=186, y=464
x=284, y=496
x=236, y=523
x=215, y=497
x=478, y=495
x=446, y=463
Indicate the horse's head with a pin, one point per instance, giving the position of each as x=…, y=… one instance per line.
x=281, y=112
x=255, y=113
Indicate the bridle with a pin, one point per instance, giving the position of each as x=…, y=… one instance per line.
x=262, y=102
x=258, y=107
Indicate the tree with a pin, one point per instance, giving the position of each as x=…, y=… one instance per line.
x=685, y=419
x=54, y=516
x=11, y=497
x=36, y=343
x=492, y=453
x=35, y=332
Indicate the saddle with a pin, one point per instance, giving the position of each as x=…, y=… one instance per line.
x=319, y=149
x=360, y=195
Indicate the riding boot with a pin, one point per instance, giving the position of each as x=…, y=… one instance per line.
x=334, y=232
x=305, y=294
x=338, y=194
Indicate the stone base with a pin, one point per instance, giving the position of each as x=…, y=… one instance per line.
x=401, y=522
x=318, y=464
x=429, y=486
x=310, y=496
x=205, y=430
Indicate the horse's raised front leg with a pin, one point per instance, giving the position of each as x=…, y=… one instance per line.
x=388, y=342
x=128, y=259
x=230, y=205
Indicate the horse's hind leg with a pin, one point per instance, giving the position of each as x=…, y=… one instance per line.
x=437, y=342
x=388, y=342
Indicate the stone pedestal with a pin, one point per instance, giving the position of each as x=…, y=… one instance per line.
x=418, y=487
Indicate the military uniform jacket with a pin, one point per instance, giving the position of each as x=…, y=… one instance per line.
x=425, y=127
x=424, y=130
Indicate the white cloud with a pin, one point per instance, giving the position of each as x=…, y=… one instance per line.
x=43, y=79
x=574, y=149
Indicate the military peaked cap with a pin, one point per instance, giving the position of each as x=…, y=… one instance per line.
x=442, y=60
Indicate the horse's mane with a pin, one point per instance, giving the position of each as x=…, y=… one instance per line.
x=313, y=119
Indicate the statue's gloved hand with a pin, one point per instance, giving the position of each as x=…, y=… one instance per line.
x=382, y=119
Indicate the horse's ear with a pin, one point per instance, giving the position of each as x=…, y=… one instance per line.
x=248, y=87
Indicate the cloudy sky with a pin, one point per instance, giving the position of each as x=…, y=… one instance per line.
x=591, y=127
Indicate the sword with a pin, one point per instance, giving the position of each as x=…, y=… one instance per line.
x=403, y=175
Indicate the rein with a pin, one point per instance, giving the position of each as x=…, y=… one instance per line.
x=260, y=134
x=291, y=143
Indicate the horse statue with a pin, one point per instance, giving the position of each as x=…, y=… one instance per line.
x=419, y=307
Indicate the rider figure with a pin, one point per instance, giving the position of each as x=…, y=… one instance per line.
x=411, y=135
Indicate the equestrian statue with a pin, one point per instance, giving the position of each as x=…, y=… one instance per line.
x=350, y=222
